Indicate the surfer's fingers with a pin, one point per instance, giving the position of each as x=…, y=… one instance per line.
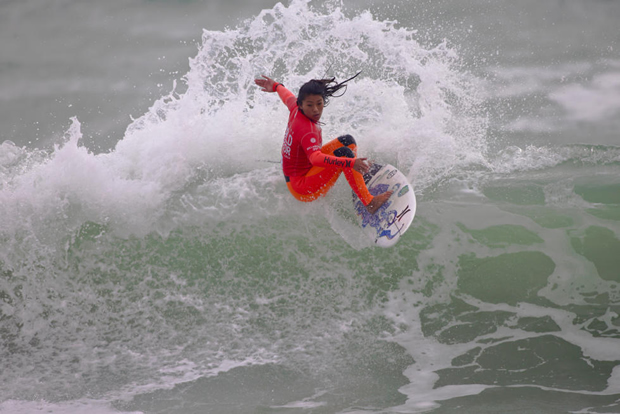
x=370, y=163
x=262, y=84
x=361, y=165
x=266, y=79
x=266, y=84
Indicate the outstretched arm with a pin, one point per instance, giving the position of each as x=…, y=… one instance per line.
x=269, y=85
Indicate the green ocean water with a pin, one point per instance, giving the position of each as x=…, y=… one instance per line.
x=173, y=273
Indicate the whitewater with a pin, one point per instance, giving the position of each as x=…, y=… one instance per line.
x=159, y=264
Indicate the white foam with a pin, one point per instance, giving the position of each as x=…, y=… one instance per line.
x=195, y=154
x=429, y=355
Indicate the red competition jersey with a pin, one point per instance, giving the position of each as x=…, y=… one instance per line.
x=303, y=141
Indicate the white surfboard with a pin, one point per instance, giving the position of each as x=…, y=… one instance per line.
x=393, y=218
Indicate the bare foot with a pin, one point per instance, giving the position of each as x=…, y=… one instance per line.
x=378, y=201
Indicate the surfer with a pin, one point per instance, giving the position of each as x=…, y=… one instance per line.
x=311, y=168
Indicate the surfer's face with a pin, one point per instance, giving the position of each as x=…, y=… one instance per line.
x=312, y=107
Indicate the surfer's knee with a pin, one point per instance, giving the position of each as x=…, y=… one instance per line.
x=344, y=152
x=347, y=140
x=348, y=147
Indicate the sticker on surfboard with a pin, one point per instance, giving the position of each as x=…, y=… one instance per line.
x=393, y=218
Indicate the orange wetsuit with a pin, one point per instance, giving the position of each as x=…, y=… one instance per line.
x=311, y=169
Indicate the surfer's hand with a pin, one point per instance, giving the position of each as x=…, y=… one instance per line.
x=361, y=165
x=265, y=84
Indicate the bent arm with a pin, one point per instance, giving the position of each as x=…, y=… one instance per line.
x=319, y=159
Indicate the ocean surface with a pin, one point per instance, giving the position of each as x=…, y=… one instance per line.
x=152, y=260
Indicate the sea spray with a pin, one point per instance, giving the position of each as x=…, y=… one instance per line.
x=180, y=250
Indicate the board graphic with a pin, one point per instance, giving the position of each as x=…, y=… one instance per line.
x=392, y=220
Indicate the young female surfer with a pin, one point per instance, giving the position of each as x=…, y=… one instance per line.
x=311, y=168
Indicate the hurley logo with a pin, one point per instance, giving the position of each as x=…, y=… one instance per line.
x=343, y=164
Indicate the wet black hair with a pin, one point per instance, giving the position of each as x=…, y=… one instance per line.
x=324, y=87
